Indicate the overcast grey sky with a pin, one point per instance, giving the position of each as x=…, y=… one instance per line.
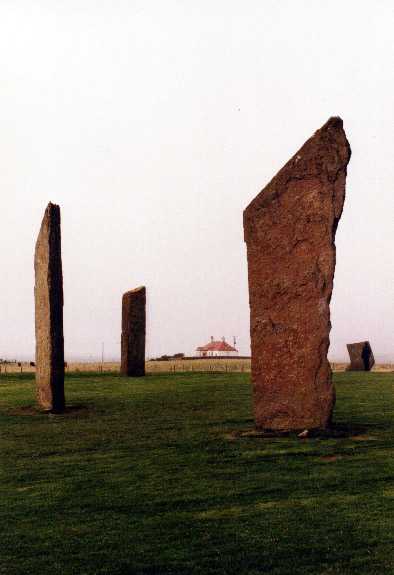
x=153, y=124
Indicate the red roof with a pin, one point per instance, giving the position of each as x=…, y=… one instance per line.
x=217, y=346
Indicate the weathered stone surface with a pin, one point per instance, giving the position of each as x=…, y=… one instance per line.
x=289, y=231
x=48, y=294
x=361, y=356
x=133, y=332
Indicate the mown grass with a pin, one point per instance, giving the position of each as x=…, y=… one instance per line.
x=151, y=476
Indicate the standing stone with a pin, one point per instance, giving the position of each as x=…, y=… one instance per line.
x=289, y=231
x=133, y=332
x=48, y=294
x=361, y=356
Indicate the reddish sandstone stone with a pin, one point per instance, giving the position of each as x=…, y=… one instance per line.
x=289, y=231
x=48, y=295
x=361, y=356
x=133, y=332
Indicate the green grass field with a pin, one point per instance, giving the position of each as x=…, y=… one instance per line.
x=155, y=476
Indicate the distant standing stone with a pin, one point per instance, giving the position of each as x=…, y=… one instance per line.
x=133, y=332
x=361, y=356
x=48, y=294
x=289, y=231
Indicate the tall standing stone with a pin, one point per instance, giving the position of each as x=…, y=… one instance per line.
x=361, y=356
x=133, y=332
x=48, y=294
x=289, y=231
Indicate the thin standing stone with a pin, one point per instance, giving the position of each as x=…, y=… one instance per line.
x=48, y=294
x=133, y=332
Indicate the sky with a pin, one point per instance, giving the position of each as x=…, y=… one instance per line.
x=153, y=124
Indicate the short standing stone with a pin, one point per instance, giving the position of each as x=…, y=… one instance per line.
x=133, y=332
x=48, y=294
x=289, y=231
x=361, y=356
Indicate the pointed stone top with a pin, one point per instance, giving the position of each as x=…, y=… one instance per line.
x=334, y=128
x=52, y=206
x=333, y=122
x=50, y=222
x=321, y=157
x=51, y=215
x=136, y=290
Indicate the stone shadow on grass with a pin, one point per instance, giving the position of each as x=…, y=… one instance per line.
x=355, y=431
x=76, y=410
